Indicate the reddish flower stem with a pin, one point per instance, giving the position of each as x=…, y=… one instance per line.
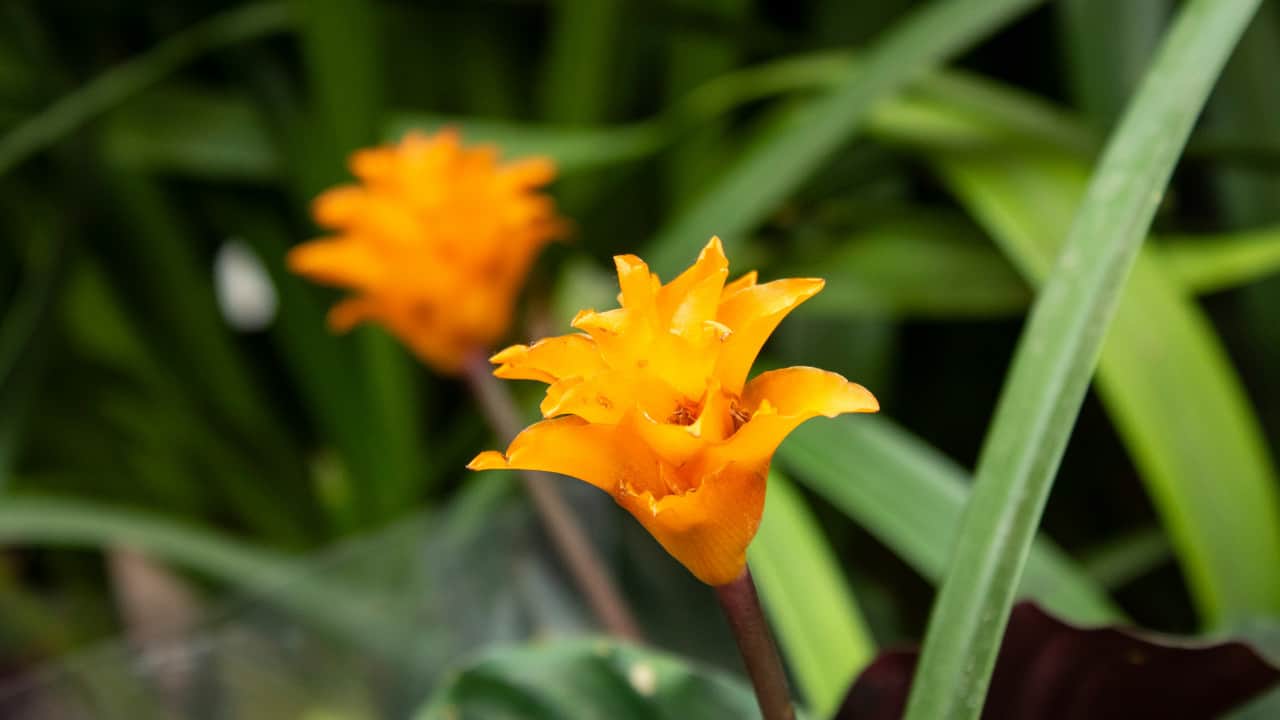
x=741, y=605
x=579, y=556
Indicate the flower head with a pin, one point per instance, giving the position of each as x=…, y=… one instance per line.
x=434, y=242
x=651, y=404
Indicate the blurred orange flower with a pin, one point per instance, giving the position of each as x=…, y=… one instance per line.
x=652, y=405
x=434, y=242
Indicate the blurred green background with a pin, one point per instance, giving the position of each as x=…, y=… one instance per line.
x=167, y=388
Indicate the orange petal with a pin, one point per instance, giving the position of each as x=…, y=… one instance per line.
x=698, y=307
x=801, y=393
x=711, y=262
x=337, y=262
x=675, y=444
x=373, y=164
x=715, y=422
x=352, y=311
x=807, y=391
x=488, y=460
x=684, y=364
x=738, y=285
x=636, y=283
x=752, y=314
x=605, y=397
x=573, y=355
x=528, y=173
x=707, y=529
x=438, y=339
x=620, y=345
x=339, y=207
x=596, y=454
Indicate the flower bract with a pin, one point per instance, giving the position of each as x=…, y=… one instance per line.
x=433, y=242
x=650, y=402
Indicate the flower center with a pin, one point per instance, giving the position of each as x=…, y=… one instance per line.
x=684, y=414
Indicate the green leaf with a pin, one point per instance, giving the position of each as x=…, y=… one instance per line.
x=1226, y=533
x=911, y=497
x=177, y=129
x=65, y=522
x=116, y=85
x=817, y=621
x=922, y=266
x=1205, y=264
x=584, y=679
x=1121, y=560
x=767, y=173
x=1055, y=359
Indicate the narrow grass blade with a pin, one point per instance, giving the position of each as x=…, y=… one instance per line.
x=123, y=81
x=1212, y=263
x=1119, y=561
x=817, y=620
x=911, y=498
x=767, y=173
x=182, y=130
x=65, y=522
x=1056, y=357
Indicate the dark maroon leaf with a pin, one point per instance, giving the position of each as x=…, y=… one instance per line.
x=1050, y=670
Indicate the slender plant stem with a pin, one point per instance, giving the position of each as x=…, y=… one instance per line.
x=760, y=654
x=566, y=534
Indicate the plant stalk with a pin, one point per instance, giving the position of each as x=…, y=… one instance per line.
x=567, y=535
x=741, y=605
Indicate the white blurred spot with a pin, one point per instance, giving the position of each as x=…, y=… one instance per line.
x=643, y=678
x=246, y=296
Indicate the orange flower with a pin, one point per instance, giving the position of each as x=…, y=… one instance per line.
x=652, y=405
x=434, y=241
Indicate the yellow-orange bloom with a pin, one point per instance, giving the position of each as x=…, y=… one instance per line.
x=652, y=405
x=434, y=242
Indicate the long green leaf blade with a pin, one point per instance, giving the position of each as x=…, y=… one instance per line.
x=64, y=522
x=1227, y=532
x=911, y=498
x=1056, y=357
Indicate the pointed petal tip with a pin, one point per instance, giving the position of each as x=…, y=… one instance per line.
x=302, y=259
x=488, y=460
x=582, y=315
x=857, y=399
x=507, y=354
x=628, y=263
x=348, y=313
